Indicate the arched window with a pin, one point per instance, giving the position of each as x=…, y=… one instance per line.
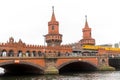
x=4, y=53
x=52, y=27
x=39, y=53
x=19, y=53
x=33, y=54
x=49, y=51
x=59, y=54
x=11, y=53
x=27, y=54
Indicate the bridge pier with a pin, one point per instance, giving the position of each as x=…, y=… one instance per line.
x=103, y=64
x=51, y=70
x=50, y=64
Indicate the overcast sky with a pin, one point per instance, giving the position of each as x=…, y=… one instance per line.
x=28, y=20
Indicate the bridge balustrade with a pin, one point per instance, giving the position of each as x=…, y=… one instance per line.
x=114, y=56
x=75, y=54
x=20, y=54
x=50, y=55
x=46, y=55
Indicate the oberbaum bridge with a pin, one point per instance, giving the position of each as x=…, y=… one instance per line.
x=54, y=58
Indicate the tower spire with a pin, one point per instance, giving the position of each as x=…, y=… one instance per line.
x=86, y=17
x=87, y=39
x=53, y=15
x=86, y=23
x=53, y=8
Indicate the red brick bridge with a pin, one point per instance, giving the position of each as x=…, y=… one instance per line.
x=52, y=63
x=17, y=57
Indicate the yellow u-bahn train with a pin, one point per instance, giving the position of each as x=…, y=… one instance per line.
x=91, y=47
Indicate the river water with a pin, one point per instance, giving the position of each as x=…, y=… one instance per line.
x=98, y=75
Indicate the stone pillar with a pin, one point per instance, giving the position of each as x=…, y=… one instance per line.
x=50, y=61
x=103, y=63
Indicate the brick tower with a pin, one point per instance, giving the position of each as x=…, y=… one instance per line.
x=53, y=38
x=87, y=39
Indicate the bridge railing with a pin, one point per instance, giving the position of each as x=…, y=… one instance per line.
x=48, y=55
x=75, y=55
x=57, y=55
x=114, y=56
x=21, y=55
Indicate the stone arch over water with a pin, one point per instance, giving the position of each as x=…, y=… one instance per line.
x=22, y=67
x=77, y=66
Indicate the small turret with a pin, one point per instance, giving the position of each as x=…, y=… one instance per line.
x=87, y=39
x=11, y=40
x=53, y=38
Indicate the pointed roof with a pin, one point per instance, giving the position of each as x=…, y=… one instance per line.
x=53, y=19
x=86, y=23
x=53, y=15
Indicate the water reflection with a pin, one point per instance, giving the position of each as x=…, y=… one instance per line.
x=106, y=75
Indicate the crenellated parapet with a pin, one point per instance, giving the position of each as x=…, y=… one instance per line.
x=34, y=46
x=22, y=47
x=16, y=47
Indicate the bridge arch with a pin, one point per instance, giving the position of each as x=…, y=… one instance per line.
x=22, y=67
x=77, y=66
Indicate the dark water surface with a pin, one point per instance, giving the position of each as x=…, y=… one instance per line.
x=100, y=75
